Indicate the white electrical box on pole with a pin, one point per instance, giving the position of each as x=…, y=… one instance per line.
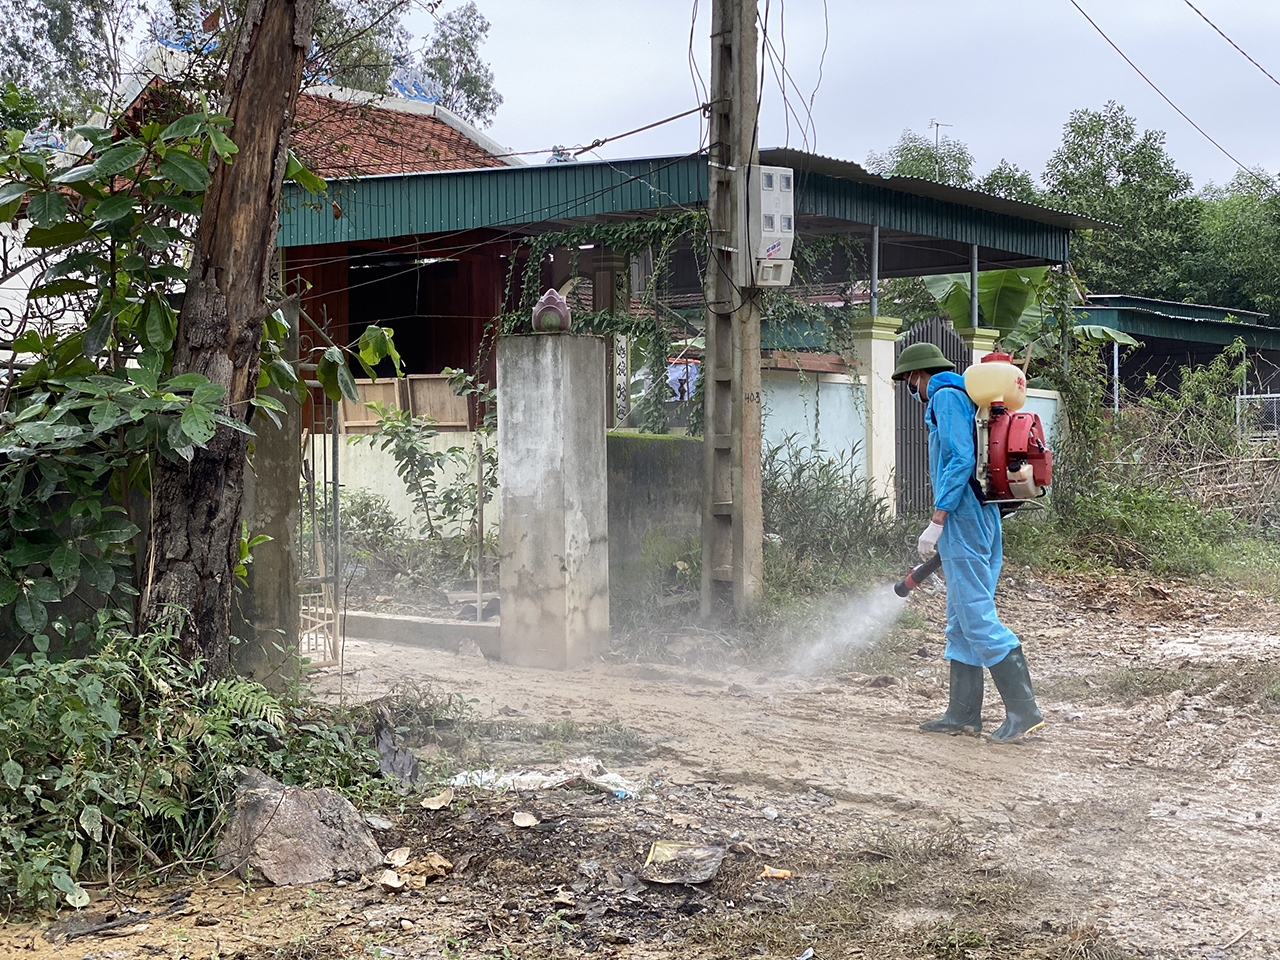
x=738, y=262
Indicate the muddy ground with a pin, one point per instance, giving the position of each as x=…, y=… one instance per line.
x=1143, y=821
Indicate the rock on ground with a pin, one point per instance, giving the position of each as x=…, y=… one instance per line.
x=291, y=835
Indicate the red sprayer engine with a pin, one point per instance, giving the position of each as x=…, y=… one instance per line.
x=1014, y=460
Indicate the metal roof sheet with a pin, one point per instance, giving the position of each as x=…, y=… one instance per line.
x=920, y=187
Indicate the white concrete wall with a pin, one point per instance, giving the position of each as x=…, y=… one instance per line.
x=362, y=466
x=824, y=410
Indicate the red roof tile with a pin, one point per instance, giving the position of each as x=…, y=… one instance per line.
x=340, y=138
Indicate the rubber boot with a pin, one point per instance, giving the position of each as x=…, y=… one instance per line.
x=964, y=713
x=1013, y=680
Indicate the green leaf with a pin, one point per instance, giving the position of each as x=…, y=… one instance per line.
x=75, y=858
x=1099, y=332
x=299, y=174
x=65, y=562
x=12, y=191
x=58, y=235
x=29, y=614
x=184, y=126
x=181, y=204
x=161, y=326
x=8, y=591
x=91, y=821
x=46, y=209
x=98, y=573
x=114, y=529
x=222, y=145
x=46, y=591
x=23, y=553
x=154, y=237
x=114, y=207
x=197, y=423
x=95, y=338
x=11, y=770
x=80, y=174
x=185, y=171
x=59, y=288
x=208, y=394
x=185, y=381
x=117, y=160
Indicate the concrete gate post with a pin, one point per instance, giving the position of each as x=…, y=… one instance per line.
x=553, y=501
x=875, y=341
x=980, y=341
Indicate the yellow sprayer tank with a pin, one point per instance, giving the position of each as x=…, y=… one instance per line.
x=996, y=380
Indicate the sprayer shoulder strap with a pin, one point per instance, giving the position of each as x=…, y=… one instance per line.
x=974, y=485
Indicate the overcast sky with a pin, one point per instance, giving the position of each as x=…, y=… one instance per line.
x=1004, y=73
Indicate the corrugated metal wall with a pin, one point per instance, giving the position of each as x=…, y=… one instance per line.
x=915, y=495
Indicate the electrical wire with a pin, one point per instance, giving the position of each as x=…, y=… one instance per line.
x=1232, y=42
x=1225, y=152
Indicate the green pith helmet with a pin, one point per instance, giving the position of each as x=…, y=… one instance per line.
x=921, y=356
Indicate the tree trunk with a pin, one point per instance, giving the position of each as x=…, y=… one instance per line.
x=196, y=507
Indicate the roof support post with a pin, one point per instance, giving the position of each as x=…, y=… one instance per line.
x=875, y=271
x=973, y=286
x=732, y=518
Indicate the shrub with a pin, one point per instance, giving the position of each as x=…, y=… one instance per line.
x=131, y=743
x=823, y=523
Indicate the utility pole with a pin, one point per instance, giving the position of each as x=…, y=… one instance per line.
x=732, y=519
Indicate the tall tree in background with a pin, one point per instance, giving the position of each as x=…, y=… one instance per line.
x=1106, y=169
x=915, y=155
x=452, y=65
x=1240, y=267
x=68, y=54
x=1010, y=181
x=196, y=505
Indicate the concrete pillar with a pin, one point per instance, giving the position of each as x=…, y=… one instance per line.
x=875, y=342
x=979, y=340
x=553, y=499
x=267, y=612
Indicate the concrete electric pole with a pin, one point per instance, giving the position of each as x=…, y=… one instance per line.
x=732, y=520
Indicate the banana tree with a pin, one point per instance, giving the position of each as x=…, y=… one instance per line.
x=1011, y=301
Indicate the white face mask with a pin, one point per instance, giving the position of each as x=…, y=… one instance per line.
x=915, y=392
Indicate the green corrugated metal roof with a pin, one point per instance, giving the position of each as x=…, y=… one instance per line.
x=446, y=201
x=1139, y=323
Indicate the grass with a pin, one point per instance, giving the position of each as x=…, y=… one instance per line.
x=901, y=894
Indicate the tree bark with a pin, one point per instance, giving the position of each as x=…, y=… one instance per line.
x=196, y=506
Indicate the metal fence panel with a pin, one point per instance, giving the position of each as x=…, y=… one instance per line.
x=915, y=496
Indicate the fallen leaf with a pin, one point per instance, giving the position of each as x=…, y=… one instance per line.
x=390, y=881
x=397, y=857
x=771, y=873
x=439, y=801
x=524, y=820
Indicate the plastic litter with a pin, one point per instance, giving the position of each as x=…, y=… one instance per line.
x=675, y=861
x=772, y=873
x=585, y=770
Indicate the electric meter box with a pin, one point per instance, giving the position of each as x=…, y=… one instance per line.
x=771, y=211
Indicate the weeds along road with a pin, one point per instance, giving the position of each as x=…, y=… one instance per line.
x=1141, y=822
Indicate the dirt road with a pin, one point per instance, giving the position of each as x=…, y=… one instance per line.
x=1143, y=821
x=1156, y=817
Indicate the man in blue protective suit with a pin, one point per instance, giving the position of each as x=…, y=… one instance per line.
x=966, y=533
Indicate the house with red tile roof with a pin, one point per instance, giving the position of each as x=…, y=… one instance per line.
x=343, y=133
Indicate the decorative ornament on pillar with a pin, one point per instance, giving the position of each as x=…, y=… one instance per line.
x=551, y=314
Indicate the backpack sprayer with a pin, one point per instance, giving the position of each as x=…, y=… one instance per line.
x=1014, y=464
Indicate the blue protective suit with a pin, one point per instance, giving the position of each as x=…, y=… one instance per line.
x=970, y=545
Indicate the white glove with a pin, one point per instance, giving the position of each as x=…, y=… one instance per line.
x=928, y=542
